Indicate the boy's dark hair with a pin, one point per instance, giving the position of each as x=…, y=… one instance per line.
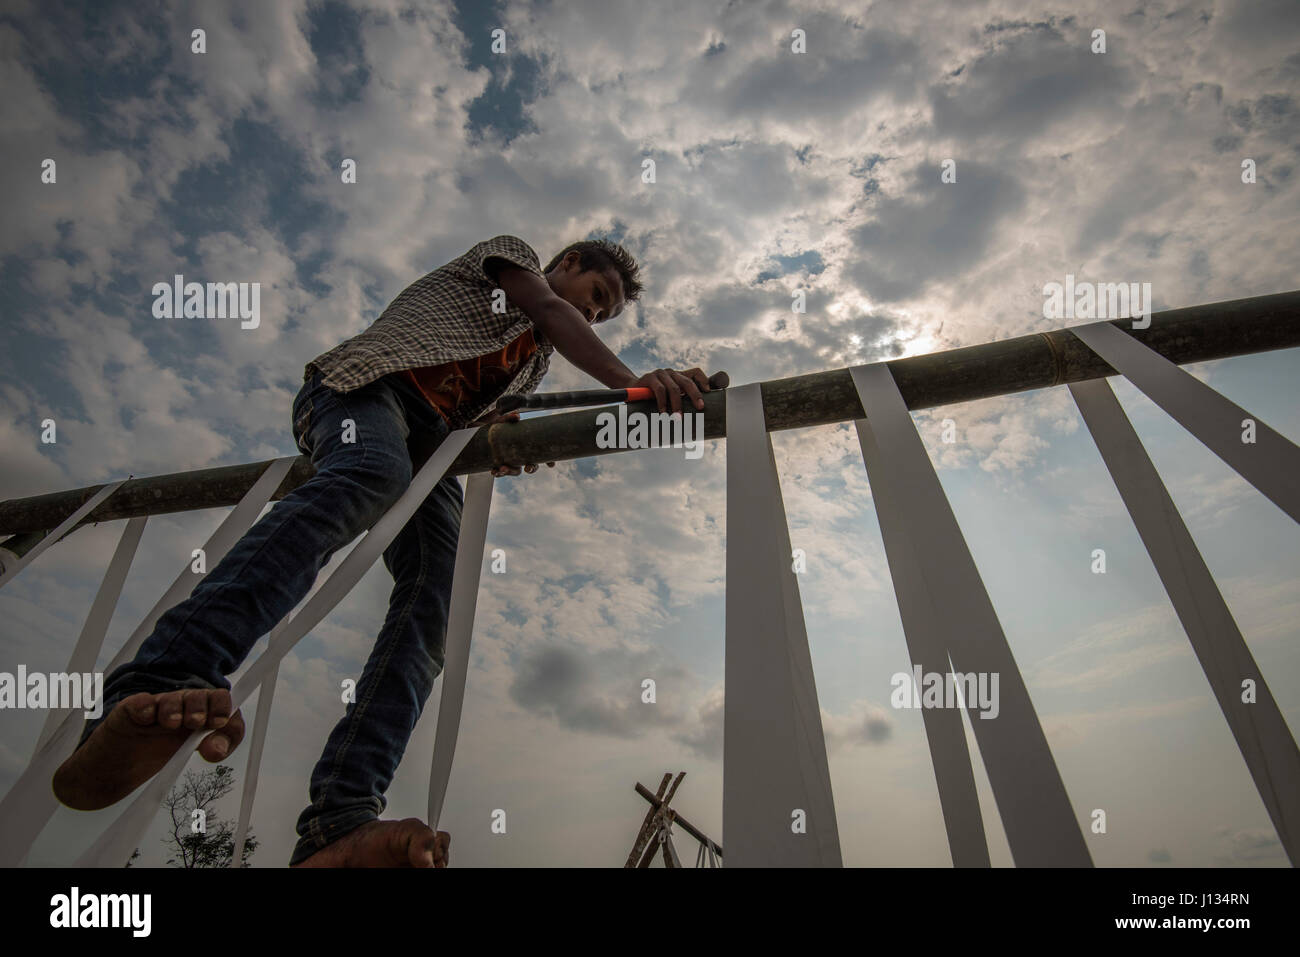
x=599, y=255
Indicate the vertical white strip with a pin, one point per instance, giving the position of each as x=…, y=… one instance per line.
x=1271, y=463
x=460, y=629
x=253, y=768
x=944, y=732
x=1258, y=726
x=1036, y=814
x=672, y=851
x=775, y=772
x=86, y=651
x=231, y=530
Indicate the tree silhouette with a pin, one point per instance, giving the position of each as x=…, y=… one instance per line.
x=214, y=845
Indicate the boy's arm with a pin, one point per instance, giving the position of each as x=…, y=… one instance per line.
x=564, y=325
x=573, y=338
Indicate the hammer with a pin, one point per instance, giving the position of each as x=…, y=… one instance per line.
x=561, y=400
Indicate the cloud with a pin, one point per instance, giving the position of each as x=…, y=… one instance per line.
x=1110, y=651
x=1028, y=79
x=930, y=229
x=596, y=691
x=1075, y=728
x=226, y=166
x=1246, y=846
x=864, y=723
x=703, y=735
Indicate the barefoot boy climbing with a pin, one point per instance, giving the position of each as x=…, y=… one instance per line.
x=370, y=412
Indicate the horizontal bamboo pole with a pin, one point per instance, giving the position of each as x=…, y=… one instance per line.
x=1034, y=361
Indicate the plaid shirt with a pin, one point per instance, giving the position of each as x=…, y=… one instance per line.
x=443, y=316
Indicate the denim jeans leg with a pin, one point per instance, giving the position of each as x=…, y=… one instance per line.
x=364, y=749
x=361, y=469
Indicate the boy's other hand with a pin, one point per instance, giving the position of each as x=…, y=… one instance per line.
x=500, y=470
x=494, y=418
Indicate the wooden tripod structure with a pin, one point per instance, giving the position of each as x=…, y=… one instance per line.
x=656, y=830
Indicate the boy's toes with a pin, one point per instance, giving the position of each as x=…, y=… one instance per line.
x=442, y=849
x=219, y=744
x=195, y=702
x=215, y=747
x=141, y=708
x=220, y=705
x=171, y=709
x=424, y=848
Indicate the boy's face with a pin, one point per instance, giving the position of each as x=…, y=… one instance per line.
x=597, y=295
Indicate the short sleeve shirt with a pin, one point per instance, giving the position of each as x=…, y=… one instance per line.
x=445, y=316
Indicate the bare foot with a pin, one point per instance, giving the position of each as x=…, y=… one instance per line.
x=406, y=843
x=138, y=737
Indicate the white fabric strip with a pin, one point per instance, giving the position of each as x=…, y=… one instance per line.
x=774, y=751
x=944, y=731
x=69, y=523
x=1259, y=727
x=29, y=804
x=1271, y=464
x=1036, y=814
x=672, y=851
x=265, y=698
x=115, y=845
x=86, y=651
x=460, y=629
x=231, y=530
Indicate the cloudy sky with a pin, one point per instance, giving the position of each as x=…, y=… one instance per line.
x=776, y=171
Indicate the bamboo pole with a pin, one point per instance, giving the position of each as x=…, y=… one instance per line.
x=647, y=826
x=1034, y=361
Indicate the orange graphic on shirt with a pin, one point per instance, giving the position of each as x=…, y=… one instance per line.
x=459, y=383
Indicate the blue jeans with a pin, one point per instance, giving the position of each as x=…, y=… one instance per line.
x=263, y=577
